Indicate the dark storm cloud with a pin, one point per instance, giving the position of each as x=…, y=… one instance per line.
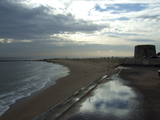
x=39, y=48
x=20, y=22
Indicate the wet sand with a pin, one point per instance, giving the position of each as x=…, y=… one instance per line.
x=147, y=81
x=82, y=72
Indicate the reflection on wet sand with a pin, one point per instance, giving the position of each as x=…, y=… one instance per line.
x=111, y=100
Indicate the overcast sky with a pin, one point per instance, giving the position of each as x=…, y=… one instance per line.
x=77, y=28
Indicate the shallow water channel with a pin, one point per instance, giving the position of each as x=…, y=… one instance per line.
x=110, y=100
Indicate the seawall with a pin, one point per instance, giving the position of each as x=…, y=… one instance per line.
x=141, y=62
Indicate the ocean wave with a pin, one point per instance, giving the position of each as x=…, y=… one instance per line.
x=25, y=78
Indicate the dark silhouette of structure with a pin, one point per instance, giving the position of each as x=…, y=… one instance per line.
x=158, y=54
x=146, y=51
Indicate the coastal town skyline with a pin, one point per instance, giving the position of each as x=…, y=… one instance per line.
x=77, y=28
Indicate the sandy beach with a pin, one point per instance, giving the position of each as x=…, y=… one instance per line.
x=82, y=72
x=147, y=81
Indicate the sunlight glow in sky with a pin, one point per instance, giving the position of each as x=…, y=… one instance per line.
x=77, y=28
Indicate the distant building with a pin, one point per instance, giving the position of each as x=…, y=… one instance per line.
x=142, y=51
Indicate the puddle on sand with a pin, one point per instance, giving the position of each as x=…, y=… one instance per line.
x=112, y=100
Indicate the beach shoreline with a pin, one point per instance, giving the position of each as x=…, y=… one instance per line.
x=82, y=72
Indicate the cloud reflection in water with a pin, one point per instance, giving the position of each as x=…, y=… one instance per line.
x=111, y=100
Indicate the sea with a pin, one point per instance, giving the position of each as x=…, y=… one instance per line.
x=19, y=79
